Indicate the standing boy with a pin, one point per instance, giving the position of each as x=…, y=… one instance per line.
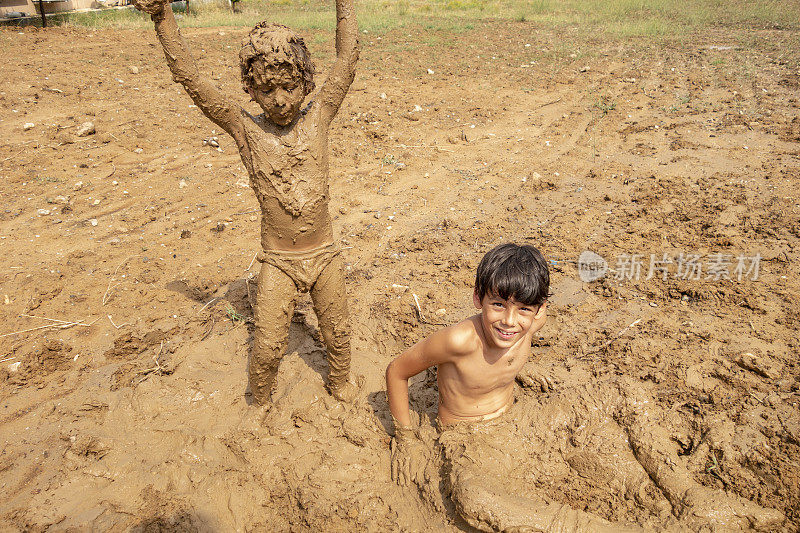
x=285, y=151
x=604, y=431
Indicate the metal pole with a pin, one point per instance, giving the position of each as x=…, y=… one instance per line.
x=41, y=9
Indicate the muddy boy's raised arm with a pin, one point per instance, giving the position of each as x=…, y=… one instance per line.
x=223, y=113
x=343, y=71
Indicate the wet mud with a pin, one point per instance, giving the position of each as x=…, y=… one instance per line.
x=130, y=411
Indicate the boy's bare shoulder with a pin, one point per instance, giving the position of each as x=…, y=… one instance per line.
x=462, y=338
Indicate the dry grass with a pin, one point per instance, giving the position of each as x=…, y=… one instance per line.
x=620, y=18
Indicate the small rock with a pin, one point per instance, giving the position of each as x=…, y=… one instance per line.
x=85, y=129
x=114, y=240
x=134, y=69
x=220, y=227
x=96, y=202
x=243, y=183
x=212, y=141
x=440, y=312
x=417, y=108
x=377, y=214
x=13, y=367
x=383, y=96
x=61, y=200
x=93, y=222
x=115, y=182
x=78, y=186
x=584, y=69
x=28, y=125
x=343, y=210
x=430, y=71
x=138, y=150
x=182, y=184
x=42, y=212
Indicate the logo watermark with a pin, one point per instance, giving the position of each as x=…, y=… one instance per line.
x=591, y=266
x=686, y=266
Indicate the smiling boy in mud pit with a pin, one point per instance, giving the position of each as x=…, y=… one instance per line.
x=285, y=151
x=606, y=432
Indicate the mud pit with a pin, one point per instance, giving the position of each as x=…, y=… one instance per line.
x=138, y=420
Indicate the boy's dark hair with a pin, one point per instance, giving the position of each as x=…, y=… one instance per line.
x=514, y=271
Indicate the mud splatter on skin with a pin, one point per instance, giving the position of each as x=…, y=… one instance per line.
x=285, y=151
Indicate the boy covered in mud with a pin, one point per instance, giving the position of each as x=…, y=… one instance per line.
x=285, y=151
x=496, y=468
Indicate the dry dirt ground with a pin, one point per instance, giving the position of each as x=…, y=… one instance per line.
x=135, y=245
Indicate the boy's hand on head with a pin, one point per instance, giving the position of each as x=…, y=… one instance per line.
x=153, y=7
x=533, y=376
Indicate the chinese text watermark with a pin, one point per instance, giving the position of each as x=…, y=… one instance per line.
x=687, y=266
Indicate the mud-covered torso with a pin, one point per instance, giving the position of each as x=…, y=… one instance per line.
x=289, y=174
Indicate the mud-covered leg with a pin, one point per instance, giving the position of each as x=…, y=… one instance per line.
x=600, y=452
x=275, y=302
x=477, y=476
x=692, y=502
x=330, y=304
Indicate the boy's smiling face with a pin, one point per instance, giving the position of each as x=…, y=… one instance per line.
x=506, y=322
x=281, y=95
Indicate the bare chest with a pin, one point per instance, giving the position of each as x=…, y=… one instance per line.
x=480, y=375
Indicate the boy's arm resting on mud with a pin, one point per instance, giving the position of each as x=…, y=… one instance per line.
x=343, y=71
x=184, y=68
x=408, y=449
x=443, y=346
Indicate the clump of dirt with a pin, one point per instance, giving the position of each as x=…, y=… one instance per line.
x=53, y=356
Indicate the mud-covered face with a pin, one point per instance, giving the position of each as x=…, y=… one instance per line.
x=281, y=94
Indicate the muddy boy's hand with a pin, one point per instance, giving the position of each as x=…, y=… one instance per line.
x=153, y=7
x=533, y=376
x=409, y=457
